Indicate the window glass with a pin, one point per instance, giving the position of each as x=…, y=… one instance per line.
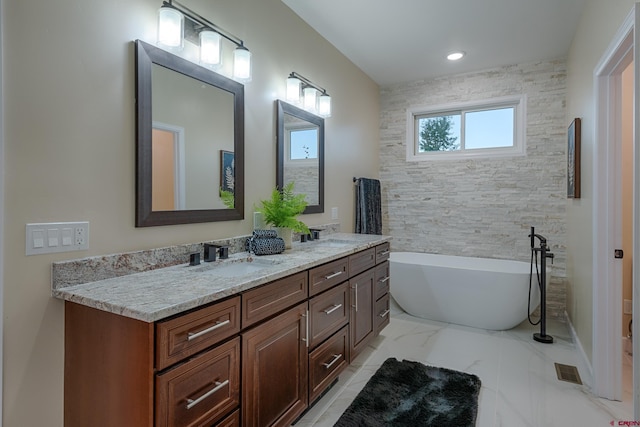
x=488, y=128
x=439, y=133
x=304, y=144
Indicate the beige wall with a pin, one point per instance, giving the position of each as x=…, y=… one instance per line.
x=69, y=142
x=600, y=21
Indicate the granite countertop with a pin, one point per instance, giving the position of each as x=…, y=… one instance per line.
x=153, y=295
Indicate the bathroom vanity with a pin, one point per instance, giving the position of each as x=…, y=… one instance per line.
x=251, y=341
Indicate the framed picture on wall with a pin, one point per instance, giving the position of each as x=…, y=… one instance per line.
x=573, y=160
x=227, y=171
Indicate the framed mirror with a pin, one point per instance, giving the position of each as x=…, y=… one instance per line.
x=189, y=141
x=300, y=153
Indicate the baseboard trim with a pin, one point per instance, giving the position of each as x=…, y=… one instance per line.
x=584, y=359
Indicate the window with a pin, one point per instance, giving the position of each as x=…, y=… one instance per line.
x=304, y=144
x=479, y=129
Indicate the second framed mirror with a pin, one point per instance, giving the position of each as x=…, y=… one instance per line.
x=300, y=153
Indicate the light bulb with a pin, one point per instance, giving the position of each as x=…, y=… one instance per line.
x=210, y=48
x=242, y=64
x=310, y=95
x=170, y=27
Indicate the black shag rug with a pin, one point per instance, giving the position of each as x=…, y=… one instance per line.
x=411, y=394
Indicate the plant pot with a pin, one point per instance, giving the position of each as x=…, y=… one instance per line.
x=286, y=234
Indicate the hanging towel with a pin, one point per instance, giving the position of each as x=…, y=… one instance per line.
x=368, y=206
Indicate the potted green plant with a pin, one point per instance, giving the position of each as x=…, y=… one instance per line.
x=281, y=212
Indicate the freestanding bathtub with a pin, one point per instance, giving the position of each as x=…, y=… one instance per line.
x=478, y=292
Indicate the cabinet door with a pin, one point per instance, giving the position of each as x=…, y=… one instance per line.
x=361, y=320
x=274, y=369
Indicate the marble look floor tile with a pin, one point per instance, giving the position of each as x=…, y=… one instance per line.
x=519, y=382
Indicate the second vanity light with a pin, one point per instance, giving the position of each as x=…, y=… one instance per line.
x=176, y=23
x=313, y=98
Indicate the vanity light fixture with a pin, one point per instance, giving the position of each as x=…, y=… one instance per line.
x=313, y=98
x=177, y=23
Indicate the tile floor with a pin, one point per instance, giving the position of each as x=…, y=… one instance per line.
x=519, y=382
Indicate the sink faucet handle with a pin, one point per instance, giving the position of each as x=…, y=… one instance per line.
x=209, y=252
x=223, y=251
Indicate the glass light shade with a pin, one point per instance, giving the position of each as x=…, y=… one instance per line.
x=242, y=64
x=324, y=105
x=293, y=90
x=210, y=48
x=170, y=27
x=310, y=96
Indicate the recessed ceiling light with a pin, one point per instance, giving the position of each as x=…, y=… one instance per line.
x=454, y=56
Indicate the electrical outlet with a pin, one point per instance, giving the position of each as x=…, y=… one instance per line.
x=81, y=236
x=53, y=237
x=628, y=306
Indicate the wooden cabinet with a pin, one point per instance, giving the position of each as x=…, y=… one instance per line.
x=328, y=312
x=265, y=301
x=200, y=391
x=328, y=275
x=327, y=361
x=274, y=370
x=258, y=358
x=185, y=335
x=361, y=319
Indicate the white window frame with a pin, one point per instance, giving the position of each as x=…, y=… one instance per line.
x=518, y=102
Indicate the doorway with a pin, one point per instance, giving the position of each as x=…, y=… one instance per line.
x=608, y=211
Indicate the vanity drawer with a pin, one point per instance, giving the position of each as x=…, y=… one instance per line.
x=328, y=313
x=200, y=391
x=327, y=362
x=382, y=252
x=382, y=314
x=272, y=298
x=382, y=279
x=361, y=261
x=327, y=275
x=232, y=420
x=185, y=335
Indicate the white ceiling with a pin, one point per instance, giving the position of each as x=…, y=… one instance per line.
x=396, y=41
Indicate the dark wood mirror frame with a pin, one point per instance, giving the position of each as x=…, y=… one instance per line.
x=145, y=56
x=282, y=109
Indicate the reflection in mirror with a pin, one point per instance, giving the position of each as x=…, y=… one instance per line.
x=187, y=140
x=190, y=141
x=301, y=154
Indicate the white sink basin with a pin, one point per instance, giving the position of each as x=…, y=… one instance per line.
x=236, y=269
x=334, y=243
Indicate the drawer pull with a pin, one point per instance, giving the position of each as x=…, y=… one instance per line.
x=331, y=276
x=306, y=319
x=384, y=279
x=218, y=385
x=332, y=309
x=386, y=252
x=194, y=335
x=384, y=313
x=336, y=357
x=355, y=289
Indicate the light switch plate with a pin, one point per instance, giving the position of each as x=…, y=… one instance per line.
x=44, y=238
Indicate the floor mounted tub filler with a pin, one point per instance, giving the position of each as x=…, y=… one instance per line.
x=478, y=292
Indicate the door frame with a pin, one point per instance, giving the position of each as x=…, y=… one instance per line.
x=607, y=229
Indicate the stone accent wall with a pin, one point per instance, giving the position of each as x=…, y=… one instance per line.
x=481, y=207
